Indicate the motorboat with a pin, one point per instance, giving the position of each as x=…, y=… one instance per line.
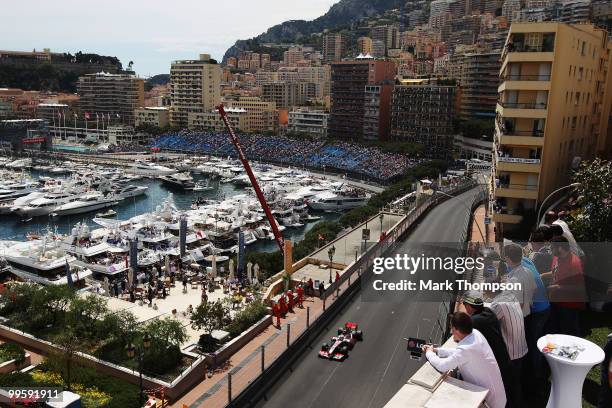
x=338, y=200
x=45, y=205
x=149, y=169
x=88, y=202
x=200, y=186
x=108, y=213
x=129, y=191
x=43, y=261
x=183, y=181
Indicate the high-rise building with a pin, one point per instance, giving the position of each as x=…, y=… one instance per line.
x=423, y=112
x=308, y=121
x=293, y=55
x=388, y=34
x=510, y=8
x=333, y=47
x=348, y=92
x=378, y=49
x=262, y=116
x=284, y=94
x=158, y=116
x=479, y=82
x=364, y=45
x=195, y=86
x=553, y=111
x=117, y=95
x=377, y=111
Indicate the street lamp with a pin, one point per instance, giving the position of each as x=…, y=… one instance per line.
x=550, y=195
x=331, y=253
x=381, y=217
x=131, y=350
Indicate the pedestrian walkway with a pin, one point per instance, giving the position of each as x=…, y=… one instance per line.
x=479, y=221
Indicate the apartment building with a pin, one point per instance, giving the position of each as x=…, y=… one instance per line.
x=479, y=81
x=195, y=86
x=348, y=94
x=377, y=111
x=333, y=47
x=553, y=111
x=153, y=116
x=423, y=112
x=364, y=45
x=284, y=94
x=308, y=121
x=262, y=116
x=212, y=121
x=117, y=95
x=388, y=34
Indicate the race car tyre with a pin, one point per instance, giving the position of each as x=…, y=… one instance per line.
x=359, y=335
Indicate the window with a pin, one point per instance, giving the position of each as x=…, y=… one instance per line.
x=580, y=71
x=577, y=100
x=582, y=51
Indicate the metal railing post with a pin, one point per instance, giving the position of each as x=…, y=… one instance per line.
x=307, y=317
x=229, y=387
x=288, y=333
x=263, y=358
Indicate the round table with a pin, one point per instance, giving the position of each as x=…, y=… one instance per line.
x=568, y=375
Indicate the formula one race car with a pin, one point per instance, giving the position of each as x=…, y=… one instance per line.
x=339, y=346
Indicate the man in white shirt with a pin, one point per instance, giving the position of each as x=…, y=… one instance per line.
x=473, y=357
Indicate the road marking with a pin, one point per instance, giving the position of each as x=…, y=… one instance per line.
x=324, y=384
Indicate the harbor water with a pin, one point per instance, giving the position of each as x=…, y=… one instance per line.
x=13, y=228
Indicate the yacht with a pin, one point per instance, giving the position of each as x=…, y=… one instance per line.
x=200, y=186
x=42, y=261
x=88, y=202
x=180, y=180
x=45, y=205
x=149, y=169
x=338, y=200
x=129, y=191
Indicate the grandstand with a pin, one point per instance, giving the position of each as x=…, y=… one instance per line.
x=365, y=162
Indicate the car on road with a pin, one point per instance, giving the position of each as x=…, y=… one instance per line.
x=340, y=345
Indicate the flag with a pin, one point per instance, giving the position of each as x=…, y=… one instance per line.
x=76, y=116
x=321, y=237
x=97, y=117
x=87, y=116
x=69, y=275
x=118, y=116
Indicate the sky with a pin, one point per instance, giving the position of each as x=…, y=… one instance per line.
x=152, y=33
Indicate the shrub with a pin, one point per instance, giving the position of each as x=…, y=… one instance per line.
x=247, y=317
x=208, y=343
x=10, y=351
x=159, y=361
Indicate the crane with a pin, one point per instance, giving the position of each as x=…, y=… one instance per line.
x=245, y=163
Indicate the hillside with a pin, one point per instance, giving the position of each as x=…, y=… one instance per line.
x=344, y=13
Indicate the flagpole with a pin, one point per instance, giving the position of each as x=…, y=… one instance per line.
x=75, y=133
x=65, y=130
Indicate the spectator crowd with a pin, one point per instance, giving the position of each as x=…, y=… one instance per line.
x=368, y=162
x=497, y=341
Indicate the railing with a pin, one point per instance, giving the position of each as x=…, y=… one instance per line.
x=511, y=77
x=506, y=131
x=530, y=105
x=518, y=186
x=517, y=160
x=520, y=47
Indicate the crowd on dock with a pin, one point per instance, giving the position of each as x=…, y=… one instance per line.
x=370, y=162
x=497, y=342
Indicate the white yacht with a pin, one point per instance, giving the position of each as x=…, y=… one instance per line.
x=42, y=261
x=88, y=202
x=45, y=205
x=129, y=191
x=149, y=169
x=180, y=180
x=338, y=200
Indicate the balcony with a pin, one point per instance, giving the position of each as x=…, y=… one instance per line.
x=525, y=83
x=509, y=190
x=507, y=218
x=534, y=110
x=517, y=164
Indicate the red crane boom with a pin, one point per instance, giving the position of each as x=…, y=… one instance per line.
x=262, y=200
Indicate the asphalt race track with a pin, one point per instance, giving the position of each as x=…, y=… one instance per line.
x=377, y=367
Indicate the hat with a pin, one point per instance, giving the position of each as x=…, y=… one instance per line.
x=473, y=298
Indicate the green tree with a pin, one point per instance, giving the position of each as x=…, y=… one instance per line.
x=166, y=332
x=593, y=221
x=85, y=313
x=210, y=316
x=62, y=361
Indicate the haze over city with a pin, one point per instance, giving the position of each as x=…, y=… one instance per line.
x=151, y=33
